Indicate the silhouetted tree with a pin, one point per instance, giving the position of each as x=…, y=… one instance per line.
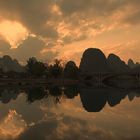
x=47, y=72
x=35, y=67
x=71, y=70
x=36, y=93
x=71, y=91
x=56, y=69
x=56, y=92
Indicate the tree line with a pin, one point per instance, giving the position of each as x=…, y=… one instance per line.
x=35, y=68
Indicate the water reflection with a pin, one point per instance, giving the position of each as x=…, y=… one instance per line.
x=71, y=91
x=92, y=99
x=7, y=94
x=67, y=112
x=36, y=93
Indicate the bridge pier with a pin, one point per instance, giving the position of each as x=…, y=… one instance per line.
x=138, y=78
x=100, y=80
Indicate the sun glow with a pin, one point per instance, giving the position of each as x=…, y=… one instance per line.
x=13, y=32
x=12, y=125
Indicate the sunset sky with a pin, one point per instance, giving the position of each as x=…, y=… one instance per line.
x=49, y=29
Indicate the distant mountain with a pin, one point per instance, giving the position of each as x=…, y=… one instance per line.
x=116, y=64
x=8, y=64
x=133, y=65
x=93, y=61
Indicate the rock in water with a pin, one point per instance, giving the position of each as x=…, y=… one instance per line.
x=93, y=61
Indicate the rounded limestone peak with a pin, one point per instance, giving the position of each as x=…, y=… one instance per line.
x=93, y=61
x=113, y=57
x=94, y=51
x=116, y=64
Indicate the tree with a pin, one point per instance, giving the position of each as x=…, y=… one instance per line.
x=71, y=70
x=36, y=93
x=56, y=69
x=35, y=68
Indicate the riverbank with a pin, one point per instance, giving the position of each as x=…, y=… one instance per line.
x=36, y=81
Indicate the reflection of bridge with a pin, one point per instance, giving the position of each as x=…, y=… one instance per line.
x=100, y=77
x=10, y=81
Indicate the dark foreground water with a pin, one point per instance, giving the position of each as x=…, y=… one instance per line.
x=69, y=113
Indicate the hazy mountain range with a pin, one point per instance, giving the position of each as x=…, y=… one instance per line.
x=9, y=64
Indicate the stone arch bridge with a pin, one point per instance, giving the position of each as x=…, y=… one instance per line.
x=100, y=77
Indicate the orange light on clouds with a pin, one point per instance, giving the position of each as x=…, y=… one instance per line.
x=13, y=32
x=12, y=125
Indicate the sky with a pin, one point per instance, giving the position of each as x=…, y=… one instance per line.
x=49, y=29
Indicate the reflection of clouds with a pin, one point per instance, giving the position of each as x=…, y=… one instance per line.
x=68, y=121
x=128, y=110
x=40, y=131
x=70, y=128
x=30, y=112
x=12, y=125
x=67, y=128
x=119, y=122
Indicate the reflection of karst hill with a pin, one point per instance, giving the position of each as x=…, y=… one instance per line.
x=115, y=97
x=94, y=100
x=93, y=61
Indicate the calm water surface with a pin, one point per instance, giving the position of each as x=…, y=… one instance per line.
x=69, y=113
